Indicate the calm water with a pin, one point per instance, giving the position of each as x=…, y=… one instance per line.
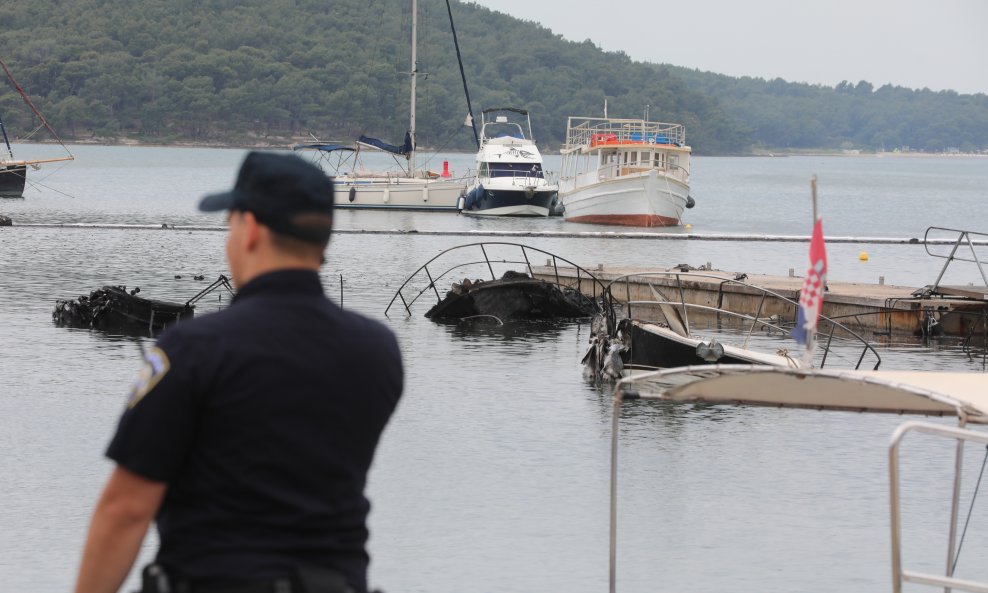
x=494, y=471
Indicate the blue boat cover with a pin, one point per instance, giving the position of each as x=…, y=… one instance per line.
x=321, y=146
x=404, y=150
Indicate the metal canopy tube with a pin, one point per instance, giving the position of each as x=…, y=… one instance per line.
x=898, y=575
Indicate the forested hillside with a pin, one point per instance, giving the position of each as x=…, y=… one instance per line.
x=245, y=71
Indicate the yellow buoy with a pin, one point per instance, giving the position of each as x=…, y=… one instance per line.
x=688, y=226
x=863, y=256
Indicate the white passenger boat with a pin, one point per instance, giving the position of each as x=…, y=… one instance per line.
x=510, y=180
x=629, y=172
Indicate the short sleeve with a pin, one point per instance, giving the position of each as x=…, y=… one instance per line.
x=158, y=426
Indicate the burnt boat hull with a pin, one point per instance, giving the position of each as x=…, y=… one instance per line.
x=514, y=299
x=112, y=308
x=12, y=180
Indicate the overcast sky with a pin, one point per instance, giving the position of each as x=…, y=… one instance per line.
x=938, y=44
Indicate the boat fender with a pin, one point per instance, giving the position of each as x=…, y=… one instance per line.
x=690, y=202
x=460, y=202
x=353, y=194
x=711, y=352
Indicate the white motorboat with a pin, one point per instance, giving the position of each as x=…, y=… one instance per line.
x=628, y=172
x=510, y=180
x=402, y=187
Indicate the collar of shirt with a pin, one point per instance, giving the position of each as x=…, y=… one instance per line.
x=282, y=282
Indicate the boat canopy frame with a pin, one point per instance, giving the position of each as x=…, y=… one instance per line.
x=918, y=392
x=583, y=275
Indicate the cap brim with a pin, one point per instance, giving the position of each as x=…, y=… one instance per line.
x=217, y=202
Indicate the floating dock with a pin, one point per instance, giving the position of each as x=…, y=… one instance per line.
x=870, y=309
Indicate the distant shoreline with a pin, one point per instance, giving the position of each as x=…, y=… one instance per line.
x=283, y=144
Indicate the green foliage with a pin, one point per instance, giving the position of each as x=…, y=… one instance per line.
x=783, y=115
x=240, y=71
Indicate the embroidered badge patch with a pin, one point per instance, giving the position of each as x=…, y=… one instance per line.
x=155, y=367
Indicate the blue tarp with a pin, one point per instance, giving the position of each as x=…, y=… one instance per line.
x=404, y=150
x=322, y=147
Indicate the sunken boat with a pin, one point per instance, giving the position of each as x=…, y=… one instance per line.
x=504, y=286
x=515, y=295
x=116, y=309
x=646, y=330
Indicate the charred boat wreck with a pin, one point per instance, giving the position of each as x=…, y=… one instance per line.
x=115, y=309
x=504, y=287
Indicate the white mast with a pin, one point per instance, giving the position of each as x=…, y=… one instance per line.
x=415, y=67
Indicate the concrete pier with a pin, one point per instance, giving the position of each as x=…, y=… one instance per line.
x=870, y=309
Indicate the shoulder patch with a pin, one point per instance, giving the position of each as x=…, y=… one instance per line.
x=155, y=367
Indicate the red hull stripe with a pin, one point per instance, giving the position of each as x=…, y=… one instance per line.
x=646, y=220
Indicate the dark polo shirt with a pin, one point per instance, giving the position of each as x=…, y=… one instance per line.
x=263, y=419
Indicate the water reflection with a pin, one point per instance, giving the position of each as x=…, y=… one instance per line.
x=489, y=329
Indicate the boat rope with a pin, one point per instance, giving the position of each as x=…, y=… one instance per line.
x=463, y=75
x=967, y=521
x=31, y=105
x=30, y=134
x=36, y=184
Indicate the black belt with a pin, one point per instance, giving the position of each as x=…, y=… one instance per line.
x=308, y=579
x=275, y=586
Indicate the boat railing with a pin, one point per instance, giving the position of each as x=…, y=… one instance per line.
x=960, y=238
x=616, y=170
x=592, y=132
x=775, y=312
x=409, y=294
x=221, y=282
x=899, y=574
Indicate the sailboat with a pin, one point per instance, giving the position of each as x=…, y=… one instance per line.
x=13, y=172
x=406, y=189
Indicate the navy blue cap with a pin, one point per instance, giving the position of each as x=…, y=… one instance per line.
x=282, y=191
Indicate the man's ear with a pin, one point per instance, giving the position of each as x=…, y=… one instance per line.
x=253, y=230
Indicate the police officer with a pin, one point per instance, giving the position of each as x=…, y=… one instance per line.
x=250, y=431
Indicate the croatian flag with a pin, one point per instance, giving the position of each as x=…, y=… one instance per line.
x=811, y=295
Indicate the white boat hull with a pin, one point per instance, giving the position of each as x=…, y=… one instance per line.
x=399, y=193
x=645, y=199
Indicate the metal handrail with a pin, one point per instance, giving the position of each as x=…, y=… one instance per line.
x=596, y=284
x=900, y=575
x=963, y=237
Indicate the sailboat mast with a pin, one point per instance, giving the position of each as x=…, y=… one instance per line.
x=6, y=141
x=415, y=68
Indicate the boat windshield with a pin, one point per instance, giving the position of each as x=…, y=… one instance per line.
x=503, y=130
x=512, y=170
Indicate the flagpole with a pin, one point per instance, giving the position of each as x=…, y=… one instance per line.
x=811, y=333
x=813, y=193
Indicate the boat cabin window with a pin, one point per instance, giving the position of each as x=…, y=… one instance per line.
x=503, y=130
x=659, y=161
x=512, y=169
x=673, y=161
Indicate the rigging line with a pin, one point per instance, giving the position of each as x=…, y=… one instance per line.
x=31, y=105
x=969, y=511
x=459, y=60
x=36, y=184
